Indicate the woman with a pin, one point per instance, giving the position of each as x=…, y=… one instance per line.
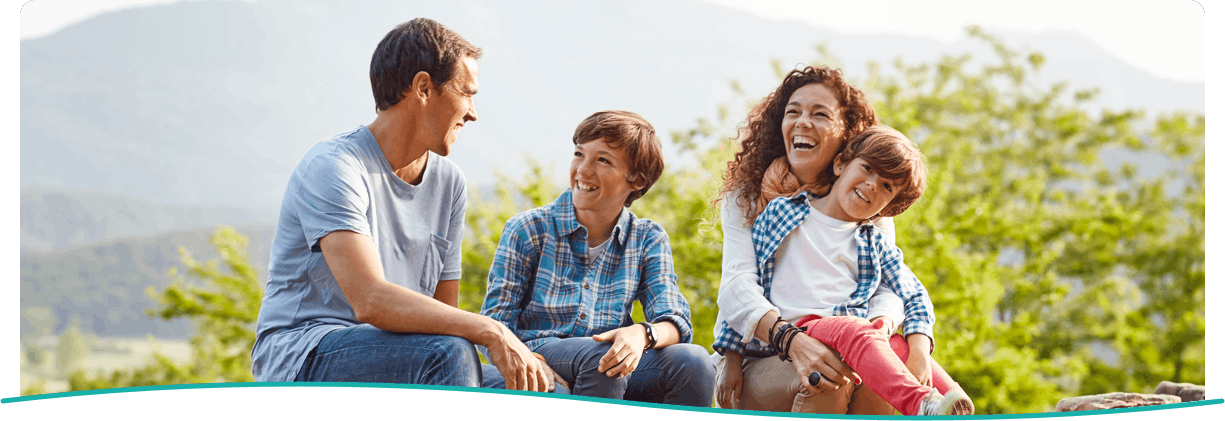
x=788, y=144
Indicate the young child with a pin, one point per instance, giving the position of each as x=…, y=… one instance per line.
x=879, y=173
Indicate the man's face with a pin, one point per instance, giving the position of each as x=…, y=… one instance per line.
x=446, y=112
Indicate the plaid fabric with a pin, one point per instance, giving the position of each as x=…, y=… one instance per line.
x=879, y=262
x=543, y=287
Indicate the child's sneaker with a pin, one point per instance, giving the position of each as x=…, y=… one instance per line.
x=955, y=403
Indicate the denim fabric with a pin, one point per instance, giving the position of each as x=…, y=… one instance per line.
x=680, y=374
x=365, y=353
x=491, y=378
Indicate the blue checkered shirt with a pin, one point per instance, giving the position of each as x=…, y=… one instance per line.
x=543, y=287
x=879, y=262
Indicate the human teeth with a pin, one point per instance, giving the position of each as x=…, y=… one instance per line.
x=857, y=193
x=801, y=141
x=584, y=186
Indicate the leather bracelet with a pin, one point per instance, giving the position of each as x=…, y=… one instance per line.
x=770, y=335
x=651, y=341
x=776, y=337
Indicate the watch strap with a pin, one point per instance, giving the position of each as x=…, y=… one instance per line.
x=651, y=339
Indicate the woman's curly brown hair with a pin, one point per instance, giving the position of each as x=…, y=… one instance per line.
x=761, y=138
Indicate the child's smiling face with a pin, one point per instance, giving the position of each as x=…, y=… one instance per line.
x=599, y=177
x=859, y=193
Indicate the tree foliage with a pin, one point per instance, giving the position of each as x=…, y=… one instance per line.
x=223, y=305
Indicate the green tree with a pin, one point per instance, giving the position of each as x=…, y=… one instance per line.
x=223, y=304
x=72, y=349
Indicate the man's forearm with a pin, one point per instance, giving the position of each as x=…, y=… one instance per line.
x=397, y=309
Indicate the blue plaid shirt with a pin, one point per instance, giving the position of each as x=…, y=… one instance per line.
x=878, y=261
x=543, y=287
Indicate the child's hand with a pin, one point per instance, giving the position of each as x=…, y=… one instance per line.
x=920, y=365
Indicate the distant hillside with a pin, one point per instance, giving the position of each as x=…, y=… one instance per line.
x=55, y=218
x=104, y=284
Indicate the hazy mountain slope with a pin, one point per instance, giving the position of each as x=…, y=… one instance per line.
x=214, y=102
x=55, y=219
x=104, y=284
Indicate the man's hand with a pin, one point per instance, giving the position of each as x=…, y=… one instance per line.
x=518, y=366
x=730, y=388
x=809, y=355
x=626, y=352
x=550, y=375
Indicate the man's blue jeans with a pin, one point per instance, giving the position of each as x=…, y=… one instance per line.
x=680, y=374
x=365, y=353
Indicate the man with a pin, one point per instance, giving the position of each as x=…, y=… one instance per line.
x=363, y=281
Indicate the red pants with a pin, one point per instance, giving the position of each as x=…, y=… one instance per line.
x=867, y=352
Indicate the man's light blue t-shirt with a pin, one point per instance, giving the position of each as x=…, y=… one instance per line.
x=345, y=183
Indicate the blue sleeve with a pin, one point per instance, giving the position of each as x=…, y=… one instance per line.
x=658, y=292
x=920, y=315
x=453, y=262
x=331, y=196
x=510, y=276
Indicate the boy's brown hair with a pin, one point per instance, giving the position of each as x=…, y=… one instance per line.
x=891, y=156
x=626, y=129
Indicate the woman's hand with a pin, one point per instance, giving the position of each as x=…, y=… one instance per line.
x=730, y=386
x=809, y=355
x=628, y=344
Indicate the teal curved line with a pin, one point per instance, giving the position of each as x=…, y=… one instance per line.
x=596, y=400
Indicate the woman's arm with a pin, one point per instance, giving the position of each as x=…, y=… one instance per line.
x=809, y=355
x=885, y=304
x=742, y=301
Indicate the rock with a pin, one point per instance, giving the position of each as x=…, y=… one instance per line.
x=1187, y=391
x=1113, y=400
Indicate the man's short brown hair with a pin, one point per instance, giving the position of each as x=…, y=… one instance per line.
x=419, y=45
x=892, y=156
x=625, y=129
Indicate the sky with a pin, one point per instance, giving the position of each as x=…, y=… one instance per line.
x=1119, y=26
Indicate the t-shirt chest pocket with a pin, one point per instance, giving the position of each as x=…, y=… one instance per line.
x=424, y=258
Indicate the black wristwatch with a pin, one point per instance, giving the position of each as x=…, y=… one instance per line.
x=650, y=335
